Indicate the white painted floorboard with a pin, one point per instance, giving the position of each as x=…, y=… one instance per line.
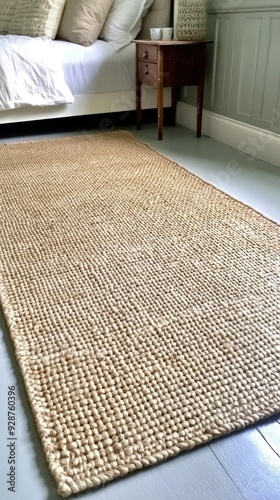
x=244, y=465
x=271, y=433
x=249, y=460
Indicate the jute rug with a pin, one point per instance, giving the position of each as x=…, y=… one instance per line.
x=143, y=304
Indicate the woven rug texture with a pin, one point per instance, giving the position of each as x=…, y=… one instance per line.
x=143, y=304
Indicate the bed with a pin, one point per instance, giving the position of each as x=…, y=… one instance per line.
x=97, y=58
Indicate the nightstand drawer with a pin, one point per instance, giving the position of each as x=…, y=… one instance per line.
x=147, y=52
x=147, y=73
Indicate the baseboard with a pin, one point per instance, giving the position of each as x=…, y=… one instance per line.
x=247, y=139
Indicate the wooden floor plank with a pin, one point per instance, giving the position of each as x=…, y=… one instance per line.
x=271, y=433
x=251, y=463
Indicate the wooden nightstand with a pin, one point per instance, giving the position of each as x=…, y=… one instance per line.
x=170, y=64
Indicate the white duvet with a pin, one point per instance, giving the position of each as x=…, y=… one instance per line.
x=30, y=73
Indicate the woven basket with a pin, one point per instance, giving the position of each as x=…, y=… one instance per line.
x=192, y=20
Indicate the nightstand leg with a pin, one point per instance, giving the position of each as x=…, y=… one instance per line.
x=200, y=94
x=160, y=109
x=138, y=105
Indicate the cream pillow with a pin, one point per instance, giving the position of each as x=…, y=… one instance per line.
x=31, y=17
x=124, y=21
x=82, y=20
x=157, y=17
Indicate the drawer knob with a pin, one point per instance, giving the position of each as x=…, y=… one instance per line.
x=146, y=54
x=146, y=71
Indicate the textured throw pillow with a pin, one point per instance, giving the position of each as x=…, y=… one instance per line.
x=82, y=20
x=31, y=17
x=124, y=21
x=157, y=17
x=7, y=11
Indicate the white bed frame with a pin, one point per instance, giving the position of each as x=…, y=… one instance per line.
x=90, y=104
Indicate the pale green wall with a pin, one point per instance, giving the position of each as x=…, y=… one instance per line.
x=243, y=64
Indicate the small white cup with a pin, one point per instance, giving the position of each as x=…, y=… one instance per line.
x=166, y=33
x=155, y=33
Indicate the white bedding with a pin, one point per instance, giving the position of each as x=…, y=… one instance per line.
x=60, y=70
x=22, y=83
x=98, y=68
